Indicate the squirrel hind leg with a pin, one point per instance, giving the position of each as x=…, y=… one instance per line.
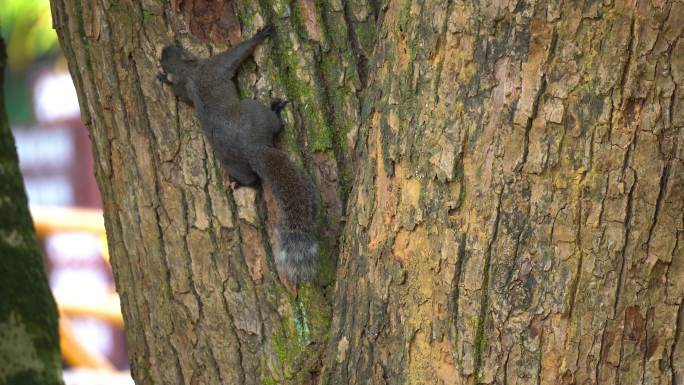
x=264, y=122
x=275, y=118
x=241, y=175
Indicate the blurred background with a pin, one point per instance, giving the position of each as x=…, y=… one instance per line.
x=56, y=162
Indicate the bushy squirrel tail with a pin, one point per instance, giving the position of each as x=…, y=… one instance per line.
x=296, y=247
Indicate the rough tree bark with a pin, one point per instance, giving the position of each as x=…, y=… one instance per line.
x=502, y=186
x=29, y=343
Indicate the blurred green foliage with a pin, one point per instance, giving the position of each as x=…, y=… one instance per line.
x=26, y=26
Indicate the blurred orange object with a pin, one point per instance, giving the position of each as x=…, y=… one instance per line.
x=74, y=353
x=109, y=309
x=49, y=220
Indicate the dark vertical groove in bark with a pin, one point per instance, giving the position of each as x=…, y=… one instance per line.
x=679, y=322
x=480, y=338
x=456, y=280
x=442, y=50
x=597, y=368
x=540, y=360
x=645, y=348
x=538, y=97
x=628, y=219
x=622, y=343
x=628, y=56
x=664, y=177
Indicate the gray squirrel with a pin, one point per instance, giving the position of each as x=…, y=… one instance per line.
x=241, y=133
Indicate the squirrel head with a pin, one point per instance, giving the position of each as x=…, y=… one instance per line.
x=177, y=61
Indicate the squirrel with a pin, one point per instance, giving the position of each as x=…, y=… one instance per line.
x=241, y=133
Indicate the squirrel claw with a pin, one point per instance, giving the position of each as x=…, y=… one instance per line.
x=164, y=78
x=266, y=31
x=277, y=105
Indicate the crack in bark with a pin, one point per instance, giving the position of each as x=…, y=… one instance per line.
x=484, y=298
x=537, y=101
x=455, y=285
x=597, y=370
x=578, y=241
x=232, y=328
x=327, y=85
x=664, y=178
x=505, y=366
x=541, y=355
x=442, y=52
x=645, y=346
x=622, y=347
x=676, y=340
x=362, y=60
x=627, y=233
x=631, y=42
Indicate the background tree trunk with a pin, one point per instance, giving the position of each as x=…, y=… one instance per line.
x=29, y=343
x=512, y=175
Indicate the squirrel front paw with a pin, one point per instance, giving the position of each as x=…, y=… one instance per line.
x=277, y=105
x=266, y=31
x=164, y=78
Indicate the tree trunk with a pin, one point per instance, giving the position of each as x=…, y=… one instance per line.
x=29, y=343
x=512, y=175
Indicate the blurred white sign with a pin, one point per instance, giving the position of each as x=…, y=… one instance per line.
x=54, y=98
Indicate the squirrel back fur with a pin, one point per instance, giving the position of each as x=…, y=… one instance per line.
x=241, y=133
